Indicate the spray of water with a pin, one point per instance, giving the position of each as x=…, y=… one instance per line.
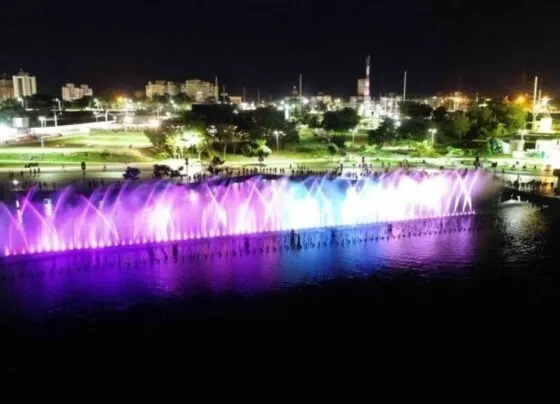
x=162, y=212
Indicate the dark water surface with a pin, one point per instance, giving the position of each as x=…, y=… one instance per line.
x=154, y=323
x=506, y=256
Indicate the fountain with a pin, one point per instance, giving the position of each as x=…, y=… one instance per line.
x=164, y=212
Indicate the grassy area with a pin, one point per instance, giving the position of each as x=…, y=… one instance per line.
x=99, y=146
x=133, y=147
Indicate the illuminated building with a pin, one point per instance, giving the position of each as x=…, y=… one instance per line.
x=455, y=101
x=70, y=92
x=361, y=87
x=6, y=88
x=24, y=85
x=198, y=90
x=161, y=87
x=366, y=109
x=235, y=100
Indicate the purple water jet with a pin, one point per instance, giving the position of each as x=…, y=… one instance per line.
x=163, y=212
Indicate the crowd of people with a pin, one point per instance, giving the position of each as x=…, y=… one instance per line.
x=25, y=180
x=535, y=186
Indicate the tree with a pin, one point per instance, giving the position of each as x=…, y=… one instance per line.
x=340, y=121
x=440, y=114
x=494, y=146
x=161, y=98
x=511, y=116
x=164, y=138
x=415, y=110
x=384, y=132
x=263, y=151
x=267, y=120
x=495, y=118
x=39, y=101
x=201, y=148
x=182, y=98
x=84, y=102
x=223, y=134
x=458, y=126
x=332, y=149
x=482, y=121
x=10, y=109
x=338, y=140
x=415, y=129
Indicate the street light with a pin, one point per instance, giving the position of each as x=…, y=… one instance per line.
x=277, y=133
x=43, y=120
x=433, y=133
x=59, y=104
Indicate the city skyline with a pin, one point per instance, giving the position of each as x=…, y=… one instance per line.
x=463, y=45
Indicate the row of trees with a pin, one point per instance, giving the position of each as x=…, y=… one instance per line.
x=220, y=128
x=483, y=121
x=10, y=109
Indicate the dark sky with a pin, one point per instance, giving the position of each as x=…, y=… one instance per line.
x=482, y=46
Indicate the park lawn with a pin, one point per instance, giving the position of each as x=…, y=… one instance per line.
x=98, y=139
x=55, y=155
x=98, y=146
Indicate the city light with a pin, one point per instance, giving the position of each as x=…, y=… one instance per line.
x=5, y=132
x=154, y=123
x=191, y=138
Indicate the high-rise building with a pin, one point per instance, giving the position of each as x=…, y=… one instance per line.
x=366, y=108
x=162, y=87
x=70, y=92
x=24, y=85
x=361, y=87
x=155, y=88
x=6, y=88
x=173, y=88
x=199, y=90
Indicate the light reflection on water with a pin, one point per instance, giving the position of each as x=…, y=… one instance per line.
x=515, y=235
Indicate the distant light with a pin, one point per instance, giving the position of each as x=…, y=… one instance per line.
x=15, y=182
x=5, y=131
x=154, y=123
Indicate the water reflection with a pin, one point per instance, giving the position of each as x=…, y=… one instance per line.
x=70, y=284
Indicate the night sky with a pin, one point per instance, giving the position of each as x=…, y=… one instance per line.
x=484, y=46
